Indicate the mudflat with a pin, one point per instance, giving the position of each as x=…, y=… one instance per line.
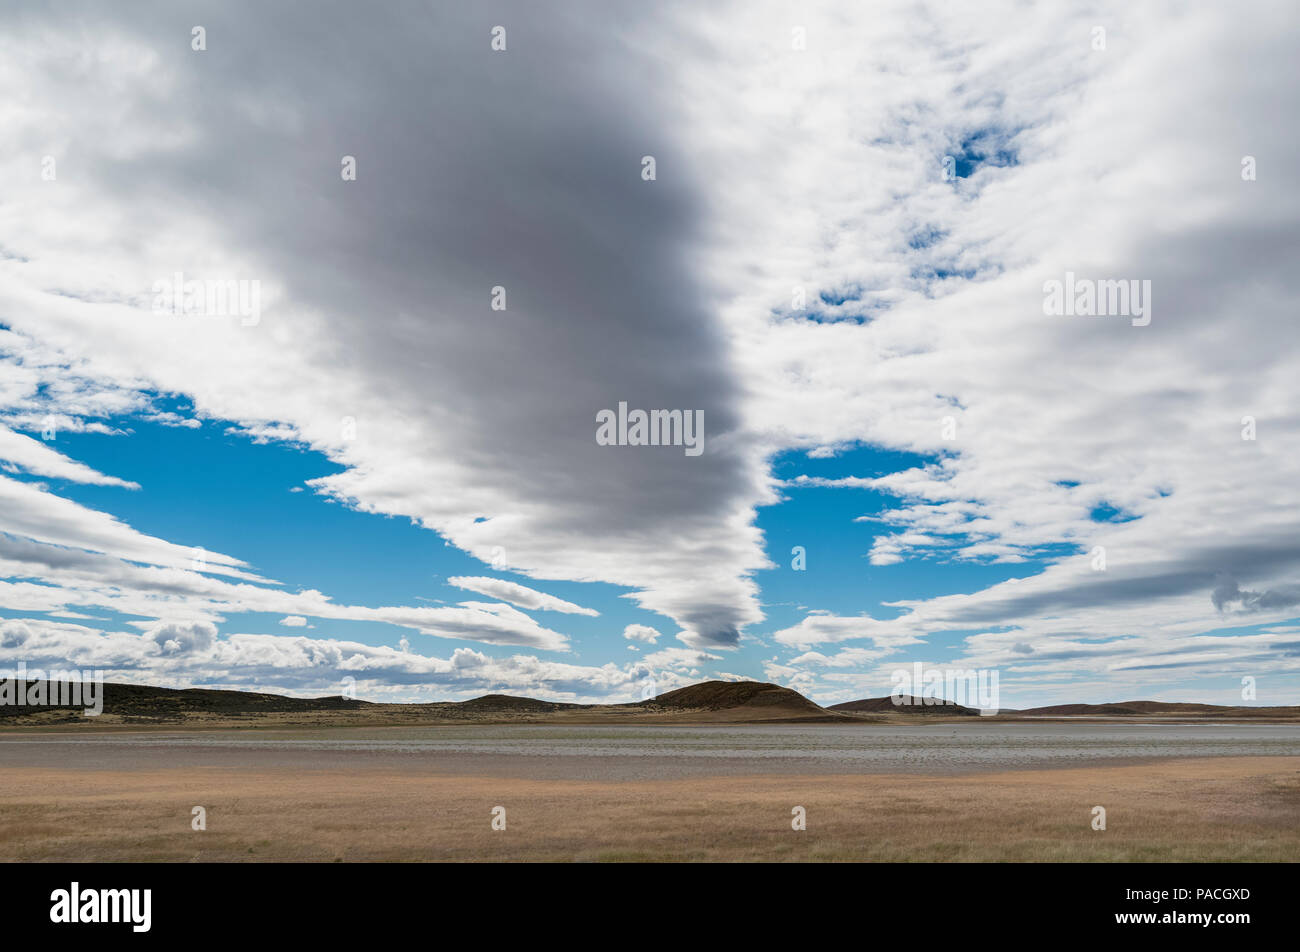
x=702, y=794
x=635, y=752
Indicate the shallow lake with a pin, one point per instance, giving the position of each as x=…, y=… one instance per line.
x=640, y=751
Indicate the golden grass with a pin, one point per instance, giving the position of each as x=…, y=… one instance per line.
x=1223, y=809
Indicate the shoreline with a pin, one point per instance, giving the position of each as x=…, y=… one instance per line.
x=115, y=724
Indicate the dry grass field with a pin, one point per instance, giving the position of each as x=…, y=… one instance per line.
x=1220, y=809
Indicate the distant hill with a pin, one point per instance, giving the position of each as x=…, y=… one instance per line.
x=750, y=696
x=1157, y=709
x=146, y=701
x=731, y=702
x=726, y=701
x=915, y=705
x=507, y=702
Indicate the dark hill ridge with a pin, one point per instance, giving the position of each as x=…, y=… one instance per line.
x=147, y=701
x=725, y=695
x=727, y=701
x=709, y=701
x=507, y=702
x=1157, y=709
x=147, y=704
x=910, y=705
x=767, y=699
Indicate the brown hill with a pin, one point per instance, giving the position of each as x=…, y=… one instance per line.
x=754, y=698
x=913, y=705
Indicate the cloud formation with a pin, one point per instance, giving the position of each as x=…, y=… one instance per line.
x=519, y=595
x=844, y=246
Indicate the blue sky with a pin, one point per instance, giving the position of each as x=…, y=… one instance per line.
x=212, y=486
x=385, y=443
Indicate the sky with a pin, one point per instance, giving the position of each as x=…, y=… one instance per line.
x=376, y=467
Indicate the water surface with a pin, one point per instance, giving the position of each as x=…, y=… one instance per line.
x=641, y=751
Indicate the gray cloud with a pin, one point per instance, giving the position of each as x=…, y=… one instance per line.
x=1227, y=593
x=475, y=169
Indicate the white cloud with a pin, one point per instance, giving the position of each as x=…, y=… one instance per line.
x=40, y=459
x=187, y=655
x=681, y=659
x=182, y=637
x=1126, y=165
x=517, y=594
x=29, y=511
x=643, y=633
x=87, y=559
